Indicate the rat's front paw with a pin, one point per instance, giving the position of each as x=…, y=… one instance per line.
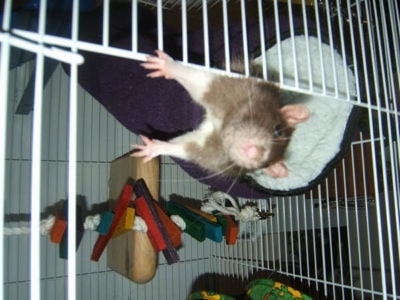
x=161, y=64
x=149, y=150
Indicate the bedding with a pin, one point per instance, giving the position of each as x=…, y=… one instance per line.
x=162, y=109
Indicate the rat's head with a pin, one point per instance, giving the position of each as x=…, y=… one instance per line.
x=259, y=140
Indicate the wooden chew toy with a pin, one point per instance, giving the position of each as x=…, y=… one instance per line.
x=131, y=254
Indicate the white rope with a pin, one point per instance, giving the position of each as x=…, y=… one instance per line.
x=16, y=230
x=178, y=221
x=216, y=201
x=90, y=223
x=45, y=227
x=139, y=225
x=47, y=224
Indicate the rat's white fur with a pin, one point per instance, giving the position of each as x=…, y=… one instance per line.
x=317, y=141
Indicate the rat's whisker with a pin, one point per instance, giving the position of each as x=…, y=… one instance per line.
x=217, y=173
x=234, y=181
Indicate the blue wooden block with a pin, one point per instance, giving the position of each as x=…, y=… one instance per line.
x=105, y=222
x=213, y=231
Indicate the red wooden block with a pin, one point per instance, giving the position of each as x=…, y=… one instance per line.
x=58, y=230
x=172, y=229
x=231, y=230
x=119, y=209
x=153, y=231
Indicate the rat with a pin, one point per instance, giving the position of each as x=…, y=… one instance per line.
x=244, y=127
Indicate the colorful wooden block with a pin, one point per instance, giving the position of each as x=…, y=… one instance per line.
x=126, y=223
x=203, y=214
x=58, y=230
x=63, y=253
x=119, y=209
x=106, y=218
x=172, y=229
x=170, y=253
x=213, y=231
x=232, y=230
x=194, y=227
x=153, y=230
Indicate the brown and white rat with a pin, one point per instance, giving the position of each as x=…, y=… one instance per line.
x=244, y=126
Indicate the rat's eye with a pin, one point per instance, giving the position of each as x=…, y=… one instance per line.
x=278, y=130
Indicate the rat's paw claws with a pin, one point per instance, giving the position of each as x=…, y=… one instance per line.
x=148, y=150
x=160, y=64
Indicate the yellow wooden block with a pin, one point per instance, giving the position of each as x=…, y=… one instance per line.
x=204, y=214
x=125, y=224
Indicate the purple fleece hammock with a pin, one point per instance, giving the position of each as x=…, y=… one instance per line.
x=161, y=108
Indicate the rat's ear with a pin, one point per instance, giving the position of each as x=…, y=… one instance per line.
x=295, y=114
x=277, y=170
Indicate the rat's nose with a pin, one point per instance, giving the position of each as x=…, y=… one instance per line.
x=252, y=152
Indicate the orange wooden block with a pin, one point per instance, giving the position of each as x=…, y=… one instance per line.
x=203, y=214
x=231, y=230
x=126, y=223
x=58, y=230
x=172, y=229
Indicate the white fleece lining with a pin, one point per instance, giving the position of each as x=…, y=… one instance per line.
x=316, y=142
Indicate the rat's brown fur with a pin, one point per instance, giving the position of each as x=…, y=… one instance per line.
x=249, y=105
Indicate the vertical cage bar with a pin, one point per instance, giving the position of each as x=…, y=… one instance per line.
x=321, y=57
x=355, y=199
x=226, y=35
x=4, y=76
x=385, y=65
x=184, y=32
x=321, y=220
x=329, y=225
x=134, y=25
x=262, y=38
x=106, y=23
x=244, y=36
x=314, y=245
x=206, y=34
x=343, y=52
x=368, y=229
x=278, y=40
x=306, y=235
x=310, y=76
x=72, y=158
x=336, y=195
x=329, y=22
x=363, y=59
x=36, y=170
x=294, y=56
x=160, y=30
